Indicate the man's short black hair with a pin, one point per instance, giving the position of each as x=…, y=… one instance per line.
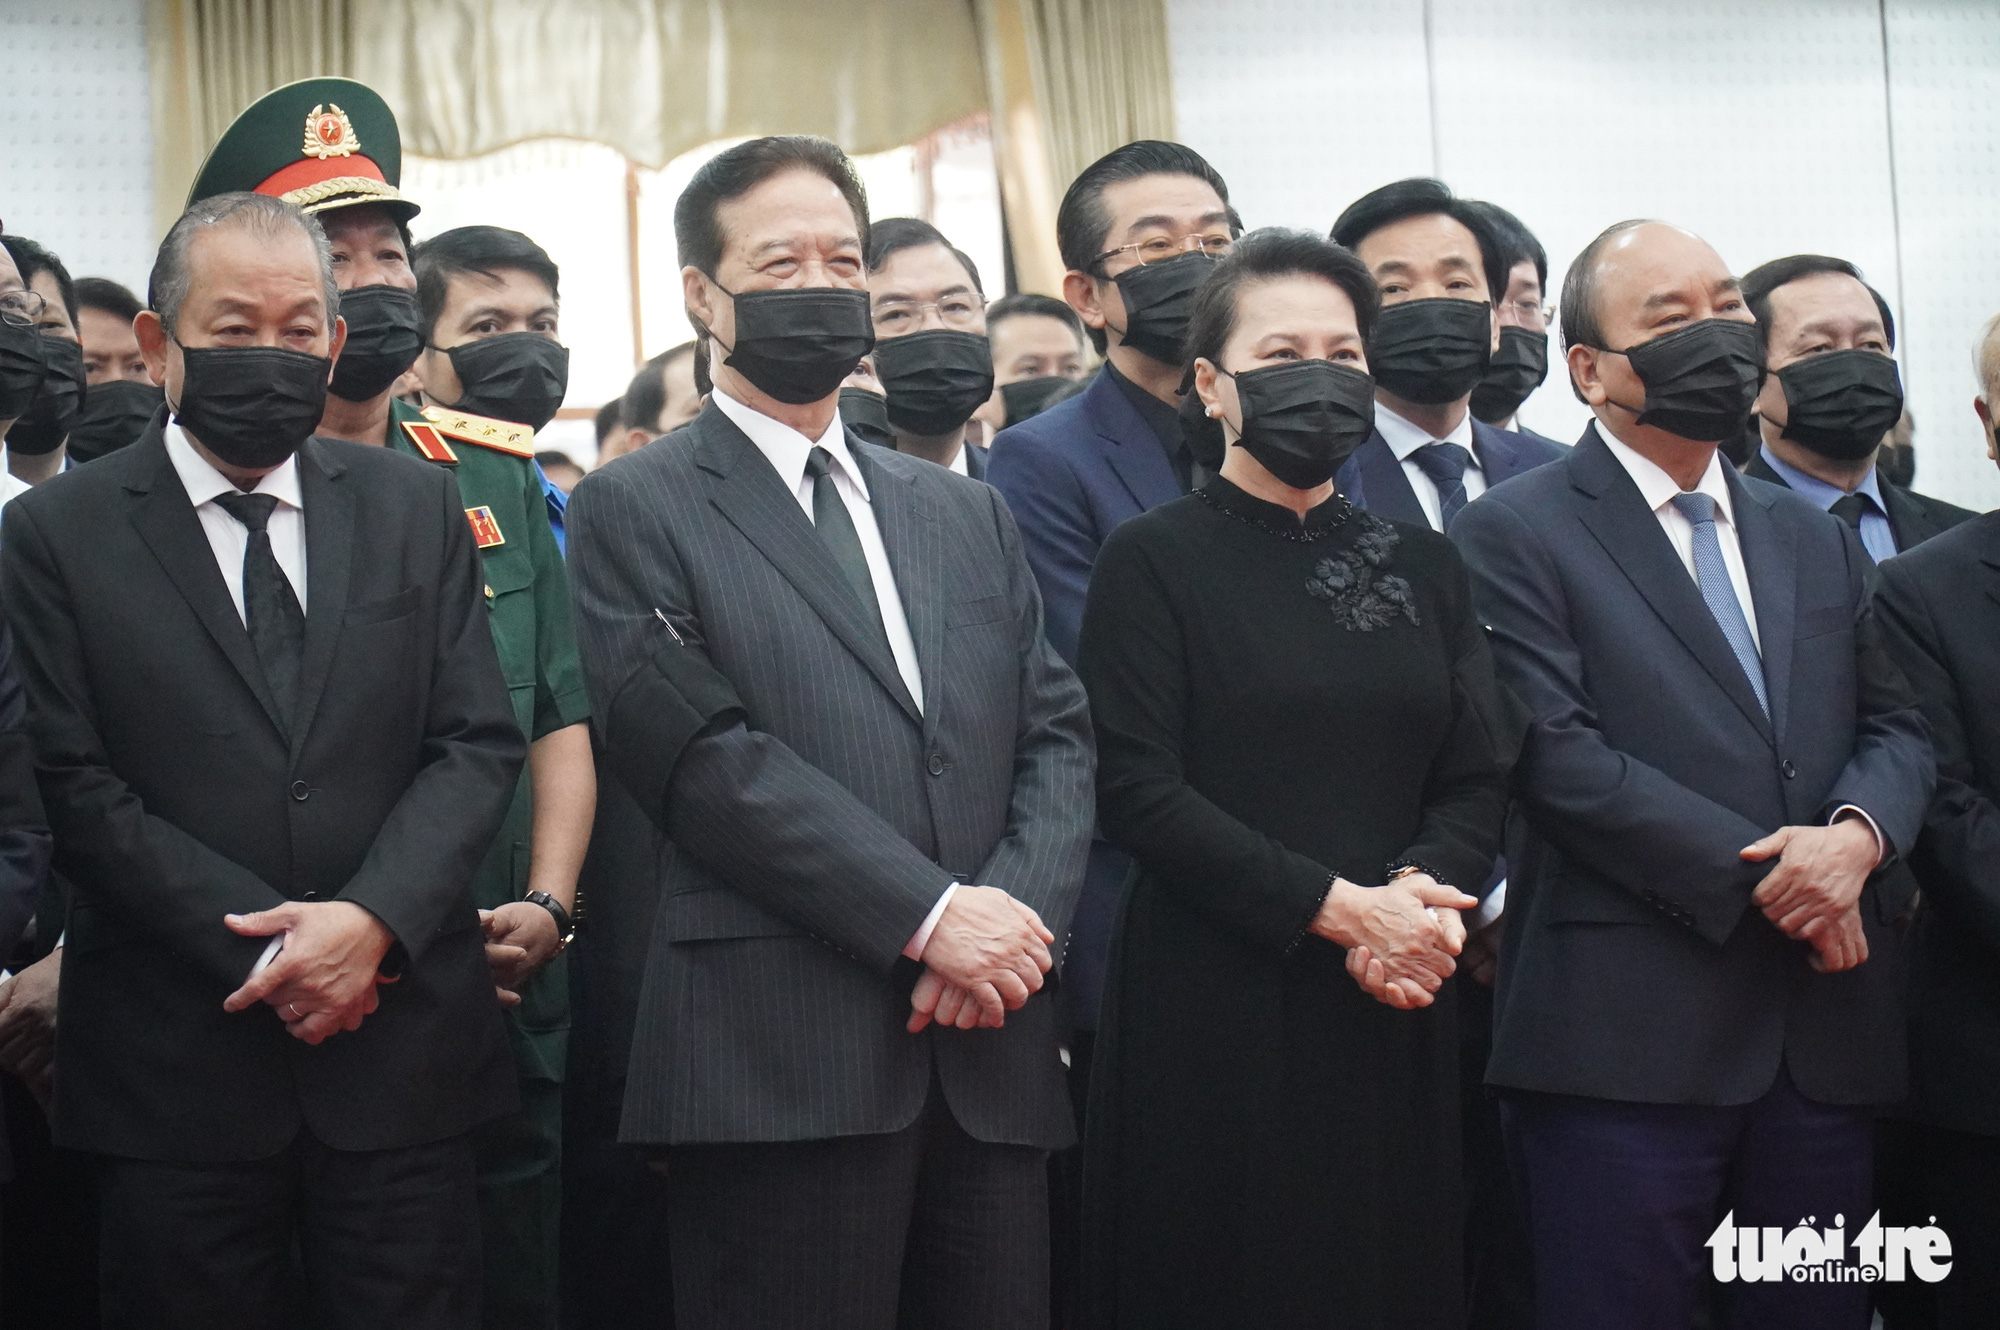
x=549, y=457
x=1421, y=196
x=1027, y=302
x=1517, y=244
x=1082, y=224
x=1762, y=280
x=735, y=172
x=609, y=417
x=485, y=250
x=33, y=259
x=646, y=396
x=891, y=234
x=113, y=298
x=1264, y=254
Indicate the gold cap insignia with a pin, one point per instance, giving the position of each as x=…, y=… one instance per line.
x=329, y=133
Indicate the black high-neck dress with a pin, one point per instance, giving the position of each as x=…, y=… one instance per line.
x=1277, y=701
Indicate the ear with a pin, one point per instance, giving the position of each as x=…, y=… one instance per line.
x=698, y=294
x=1583, y=373
x=1494, y=311
x=339, y=341
x=1205, y=386
x=152, y=335
x=1080, y=290
x=1985, y=414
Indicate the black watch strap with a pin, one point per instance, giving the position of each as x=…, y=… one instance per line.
x=565, y=928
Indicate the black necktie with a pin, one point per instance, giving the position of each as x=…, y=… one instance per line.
x=270, y=607
x=836, y=529
x=1445, y=464
x=1849, y=508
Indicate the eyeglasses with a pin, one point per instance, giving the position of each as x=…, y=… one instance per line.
x=22, y=308
x=1161, y=248
x=896, y=318
x=1529, y=310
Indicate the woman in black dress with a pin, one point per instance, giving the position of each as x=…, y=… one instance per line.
x=1292, y=699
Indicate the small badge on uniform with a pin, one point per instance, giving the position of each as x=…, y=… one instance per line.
x=485, y=531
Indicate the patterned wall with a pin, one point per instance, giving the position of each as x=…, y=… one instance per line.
x=1765, y=128
x=76, y=146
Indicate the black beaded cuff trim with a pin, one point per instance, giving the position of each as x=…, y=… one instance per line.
x=1419, y=866
x=1306, y=924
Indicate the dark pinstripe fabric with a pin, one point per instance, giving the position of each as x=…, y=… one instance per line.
x=814, y=833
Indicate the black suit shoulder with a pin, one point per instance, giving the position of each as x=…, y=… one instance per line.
x=1968, y=543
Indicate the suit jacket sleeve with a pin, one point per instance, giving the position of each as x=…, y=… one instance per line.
x=774, y=827
x=1958, y=854
x=1135, y=670
x=1040, y=860
x=560, y=697
x=1629, y=821
x=24, y=831
x=415, y=873
x=1058, y=535
x=152, y=874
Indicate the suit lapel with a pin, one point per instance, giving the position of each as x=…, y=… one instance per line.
x=1617, y=515
x=749, y=492
x=1385, y=489
x=329, y=514
x=915, y=543
x=1130, y=447
x=1770, y=557
x=1498, y=458
x=166, y=521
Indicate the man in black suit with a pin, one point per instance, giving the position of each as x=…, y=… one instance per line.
x=1520, y=363
x=1940, y=611
x=1439, y=266
x=931, y=353
x=1699, y=1000
x=820, y=668
x=1831, y=394
x=274, y=742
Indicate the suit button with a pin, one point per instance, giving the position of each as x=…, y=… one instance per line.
x=309, y=896
x=300, y=790
x=936, y=765
x=1791, y=772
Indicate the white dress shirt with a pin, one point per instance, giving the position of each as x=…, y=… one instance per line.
x=1658, y=488
x=1404, y=439
x=958, y=462
x=11, y=486
x=786, y=449
x=229, y=538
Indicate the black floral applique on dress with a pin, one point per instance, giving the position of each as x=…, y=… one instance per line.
x=1356, y=585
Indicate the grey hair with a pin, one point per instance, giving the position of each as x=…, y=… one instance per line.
x=1578, y=310
x=167, y=289
x=1986, y=361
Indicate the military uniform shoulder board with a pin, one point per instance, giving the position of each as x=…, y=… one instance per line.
x=500, y=435
x=429, y=443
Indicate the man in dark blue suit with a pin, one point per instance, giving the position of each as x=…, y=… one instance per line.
x=1520, y=363
x=1699, y=992
x=1438, y=265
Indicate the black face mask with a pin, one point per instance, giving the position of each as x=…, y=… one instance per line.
x=252, y=406
x=1515, y=371
x=45, y=424
x=518, y=377
x=1431, y=351
x=1206, y=443
x=114, y=414
x=1700, y=380
x=1031, y=397
x=1303, y=419
x=22, y=368
x=1159, y=300
x=935, y=380
x=866, y=414
x=797, y=343
x=384, y=335
x=1841, y=403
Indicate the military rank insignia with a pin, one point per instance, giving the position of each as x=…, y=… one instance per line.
x=485, y=531
x=429, y=442
x=329, y=133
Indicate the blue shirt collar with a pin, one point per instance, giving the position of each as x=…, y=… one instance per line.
x=1821, y=493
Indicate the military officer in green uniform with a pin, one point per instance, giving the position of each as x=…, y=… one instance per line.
x=332, y=147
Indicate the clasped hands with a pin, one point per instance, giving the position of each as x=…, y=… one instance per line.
x=324, y=979
x=987, y=956
x=1402, y=938
x=1814, y=892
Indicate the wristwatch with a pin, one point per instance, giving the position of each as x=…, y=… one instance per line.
x=565, y=929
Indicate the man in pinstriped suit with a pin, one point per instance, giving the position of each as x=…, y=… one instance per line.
x=820, y=668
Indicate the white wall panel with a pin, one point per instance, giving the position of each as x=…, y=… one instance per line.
x=76, y=134
x=1944, y=66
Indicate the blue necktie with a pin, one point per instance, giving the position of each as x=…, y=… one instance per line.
x=1711, y=574
x=1445, y=464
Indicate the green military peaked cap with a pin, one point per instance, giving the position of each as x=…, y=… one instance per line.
x=320, y=143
